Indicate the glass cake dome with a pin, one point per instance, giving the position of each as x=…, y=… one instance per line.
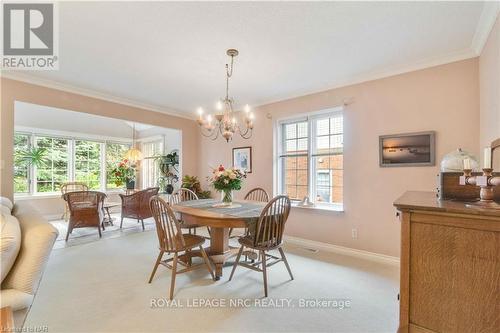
x=454, y=161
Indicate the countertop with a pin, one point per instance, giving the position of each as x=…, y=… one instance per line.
x=428, y=201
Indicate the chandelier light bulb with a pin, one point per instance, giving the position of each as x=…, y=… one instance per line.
x=200, y=111
x=218, y=106
x=209, y=118
x=247, y=108
x=233, y=120
x=251, y=116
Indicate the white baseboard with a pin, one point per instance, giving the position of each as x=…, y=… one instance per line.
x=310, y=244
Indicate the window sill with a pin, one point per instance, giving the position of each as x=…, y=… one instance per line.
x=332, y=208
x=37, y=196
x=55, y=195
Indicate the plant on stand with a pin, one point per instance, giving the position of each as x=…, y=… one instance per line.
x=226, y=181
x=124, y=173
x=168, y=166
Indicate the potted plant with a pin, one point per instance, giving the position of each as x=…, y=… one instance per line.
x=226, y=181
x=124, y=172
x=168, y=166
x=33, y=156
x=192, y=183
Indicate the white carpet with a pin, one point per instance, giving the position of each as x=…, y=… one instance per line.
x=102, y=287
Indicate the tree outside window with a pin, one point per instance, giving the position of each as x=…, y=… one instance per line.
x=21, y=168
x=88, y=163
x=54, y=171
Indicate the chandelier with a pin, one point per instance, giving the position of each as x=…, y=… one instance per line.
x=133, y=154
x=225, y=123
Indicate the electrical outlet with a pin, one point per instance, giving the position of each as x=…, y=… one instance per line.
x=354, y=233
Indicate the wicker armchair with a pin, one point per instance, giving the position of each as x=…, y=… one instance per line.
x=136, y=205
x=86, y=210
x=71, y=187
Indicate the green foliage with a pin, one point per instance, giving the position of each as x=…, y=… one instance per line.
x=114, y=155
x=32, y=157
x=167, y=164
x=192, y=183
x=123, y=172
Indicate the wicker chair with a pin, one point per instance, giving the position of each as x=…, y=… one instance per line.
x=184, y=194
x=71, y=187
x=267, y=236
x=136, y=205
x=86, y=210
x=172, y=241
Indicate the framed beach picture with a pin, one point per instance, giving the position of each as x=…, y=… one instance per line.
x=411, y=149
x=242, y=158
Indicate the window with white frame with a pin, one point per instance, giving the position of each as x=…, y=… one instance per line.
x=88, y=163
x=150, y=171
x=65, y=159
x=54, y=170
x=22, y=170
x=310, y=158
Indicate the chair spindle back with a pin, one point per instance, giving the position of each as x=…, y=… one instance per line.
x=167, y=227
x=257, y=194
x=182, y=194
x=271, y=223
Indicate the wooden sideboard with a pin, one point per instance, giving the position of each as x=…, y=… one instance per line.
x=450, y=266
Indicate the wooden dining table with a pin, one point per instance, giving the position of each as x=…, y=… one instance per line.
x=220, y=220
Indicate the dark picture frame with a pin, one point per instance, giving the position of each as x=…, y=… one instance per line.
x=242, y=158
x=409, y=149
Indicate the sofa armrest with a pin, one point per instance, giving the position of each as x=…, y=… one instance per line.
x=37, y=239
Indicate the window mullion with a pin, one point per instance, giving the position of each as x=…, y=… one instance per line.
x=103, y=167
x=32, y=170
x=71, y=163
x=311, y=147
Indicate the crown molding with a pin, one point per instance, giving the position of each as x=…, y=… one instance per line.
x=23, y=77
x=489, y=14
x=381, y=74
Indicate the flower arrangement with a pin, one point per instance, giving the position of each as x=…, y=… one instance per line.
x=123, y=172
x=227, y=180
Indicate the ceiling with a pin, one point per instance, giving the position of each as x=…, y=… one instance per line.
x=170, y=56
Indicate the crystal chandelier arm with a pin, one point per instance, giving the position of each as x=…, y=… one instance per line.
x=218, y=131
x=208, y=134
x=247, y=134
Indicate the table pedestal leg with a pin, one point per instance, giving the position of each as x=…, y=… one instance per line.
x=219, y=246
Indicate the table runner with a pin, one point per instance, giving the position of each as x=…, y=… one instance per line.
x=248, y=210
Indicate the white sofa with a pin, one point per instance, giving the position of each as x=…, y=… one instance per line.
x=26, y=242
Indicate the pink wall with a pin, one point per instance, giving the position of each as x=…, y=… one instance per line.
x=443, y=98
x=489, y=83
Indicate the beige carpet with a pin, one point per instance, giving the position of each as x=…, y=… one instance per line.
x=102, y=287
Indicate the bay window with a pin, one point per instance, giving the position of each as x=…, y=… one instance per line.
x=54, y=171
x=310, y=158
x=88, y=163
x=22, y=176
x=65, y=159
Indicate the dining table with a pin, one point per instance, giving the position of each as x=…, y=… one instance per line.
x=220, y=220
